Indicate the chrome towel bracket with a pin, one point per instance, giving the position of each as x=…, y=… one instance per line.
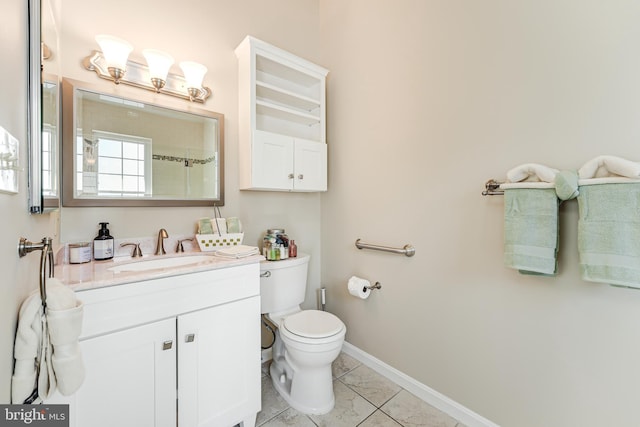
x=46, y=257
x=492, y=188
x=407, y=250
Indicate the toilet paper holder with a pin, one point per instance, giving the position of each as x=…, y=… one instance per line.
x=377, y=285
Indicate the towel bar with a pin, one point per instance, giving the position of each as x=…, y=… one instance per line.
x=407, y=250
x=492, y=188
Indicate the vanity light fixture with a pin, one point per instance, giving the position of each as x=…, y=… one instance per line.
x=159, y=64
x=112, y=63
x=116, y=51
x=193, y=74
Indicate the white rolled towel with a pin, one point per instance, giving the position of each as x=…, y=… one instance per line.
x=532, y=172
x=64, y=330
x=27, y=349
x=606, y=166
x=60, y=365
x=64, y=318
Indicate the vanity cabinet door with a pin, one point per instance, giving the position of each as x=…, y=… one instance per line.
x=130, y=379
x=219, y=365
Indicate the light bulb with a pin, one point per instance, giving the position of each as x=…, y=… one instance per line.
x=159, y=63
x=115, y=51
x=194, y=75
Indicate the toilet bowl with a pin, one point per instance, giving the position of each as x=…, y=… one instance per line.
x=306, y=341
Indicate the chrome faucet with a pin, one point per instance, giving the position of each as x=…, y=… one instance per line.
x=162, y=234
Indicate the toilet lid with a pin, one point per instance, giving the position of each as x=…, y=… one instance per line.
x=313, y=324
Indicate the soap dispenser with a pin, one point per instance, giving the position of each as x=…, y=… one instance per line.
x=103, y=244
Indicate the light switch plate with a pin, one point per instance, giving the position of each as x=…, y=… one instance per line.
x=9, y=162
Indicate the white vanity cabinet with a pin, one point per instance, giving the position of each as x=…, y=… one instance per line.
x=181, y=350
x=130, y=379
x=282, y=120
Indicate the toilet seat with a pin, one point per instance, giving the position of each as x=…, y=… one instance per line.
x=312, y=326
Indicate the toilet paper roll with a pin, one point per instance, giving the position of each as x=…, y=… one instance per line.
x=358, y=287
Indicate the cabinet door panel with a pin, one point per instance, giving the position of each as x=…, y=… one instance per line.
x=130, y=380
x=310, y=165
x=219, y=381
x=272, y=161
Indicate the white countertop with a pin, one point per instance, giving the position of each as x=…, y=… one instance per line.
x=96, y=274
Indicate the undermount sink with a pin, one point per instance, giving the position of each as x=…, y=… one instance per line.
x=159, y=263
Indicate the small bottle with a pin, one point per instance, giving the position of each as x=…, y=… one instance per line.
x=293, y=249
x=103, y=244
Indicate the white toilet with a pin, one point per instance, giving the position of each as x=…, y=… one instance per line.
x=306, y=341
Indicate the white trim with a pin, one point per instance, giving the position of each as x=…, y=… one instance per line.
x=429, y=395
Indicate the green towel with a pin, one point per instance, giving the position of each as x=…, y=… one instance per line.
x=566, y=183
x=609, y=233
x=531, y=230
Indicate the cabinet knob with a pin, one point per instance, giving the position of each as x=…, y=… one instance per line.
x=167, y=345
x=300, y=176
x=290, y=176
x=189, y=337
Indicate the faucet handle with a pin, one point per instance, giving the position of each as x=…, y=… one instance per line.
x=137, y=252
x=180, y=248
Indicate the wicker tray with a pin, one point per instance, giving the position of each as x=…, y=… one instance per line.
x=213, y=242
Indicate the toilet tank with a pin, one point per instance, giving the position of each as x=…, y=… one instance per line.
x=283, y=283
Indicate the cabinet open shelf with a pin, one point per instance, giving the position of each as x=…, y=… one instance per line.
x=280, y=112
x=271, y=93
x=289, y=73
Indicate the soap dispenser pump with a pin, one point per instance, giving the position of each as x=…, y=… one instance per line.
x=103, y=244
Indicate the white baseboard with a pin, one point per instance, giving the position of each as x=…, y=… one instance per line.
x=266, y=355
x=429, y=395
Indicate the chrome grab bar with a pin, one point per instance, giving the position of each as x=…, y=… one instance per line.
x=407, y=250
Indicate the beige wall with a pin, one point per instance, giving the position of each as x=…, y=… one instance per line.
x=19, y=276
x=427, y=101
x=208, y=33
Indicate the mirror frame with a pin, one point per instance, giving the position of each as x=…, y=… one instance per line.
x=68, y=137
x=37, y=203
x=34, y=110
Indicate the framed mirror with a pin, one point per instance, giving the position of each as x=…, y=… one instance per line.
x=126, y=152
x=44, y=106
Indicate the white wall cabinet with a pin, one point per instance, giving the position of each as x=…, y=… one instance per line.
x=191, y=357
x=282, y=120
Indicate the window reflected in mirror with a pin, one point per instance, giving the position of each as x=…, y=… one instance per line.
x=50, y=140
x=123, y=152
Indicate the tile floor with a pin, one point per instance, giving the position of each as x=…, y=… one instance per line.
x=363, y=398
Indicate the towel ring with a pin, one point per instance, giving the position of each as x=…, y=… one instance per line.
x=46, y=257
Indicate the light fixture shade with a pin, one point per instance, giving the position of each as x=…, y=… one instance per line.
x=115, y=51
x=159, y=63
x=193, y=73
